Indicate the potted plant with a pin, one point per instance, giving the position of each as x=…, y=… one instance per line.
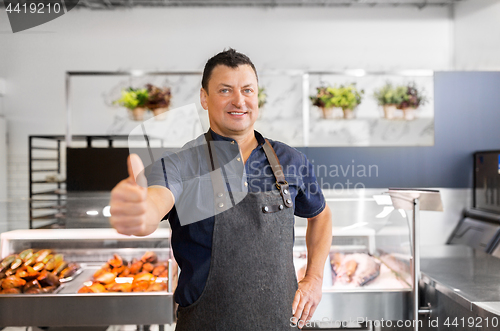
x=412, y=99
x=389, y=97
x=134, y=100
x=348, y=98
x=158, y=101
x=323, y=100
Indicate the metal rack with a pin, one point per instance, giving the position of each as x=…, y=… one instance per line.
x=47, y=207
x=46, y=204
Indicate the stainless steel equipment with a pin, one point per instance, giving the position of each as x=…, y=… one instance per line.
x=487, y=181
x=480, y=227
x=460, y=287
x=91, y=248
x=459, y=282
x=381, y=231
x=416, y=200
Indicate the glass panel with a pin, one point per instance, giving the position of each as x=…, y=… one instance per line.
x=370, y=243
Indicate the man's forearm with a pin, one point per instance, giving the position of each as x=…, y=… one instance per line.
x=318, y=241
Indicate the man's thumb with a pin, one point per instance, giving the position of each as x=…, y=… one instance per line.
x=136, y=170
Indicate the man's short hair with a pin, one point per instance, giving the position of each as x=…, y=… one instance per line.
x=230, y=58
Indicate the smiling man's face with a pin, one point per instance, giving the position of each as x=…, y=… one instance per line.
x=232, y=100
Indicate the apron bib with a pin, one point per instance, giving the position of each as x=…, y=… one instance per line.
x=251, y=283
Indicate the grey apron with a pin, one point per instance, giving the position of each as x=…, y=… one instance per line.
x=251, y=283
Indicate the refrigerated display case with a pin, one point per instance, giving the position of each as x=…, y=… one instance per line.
x=90, y=248
x=361, y=226
x=365, y=224
x=377, y=237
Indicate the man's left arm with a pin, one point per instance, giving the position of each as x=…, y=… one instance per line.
x=318, y=242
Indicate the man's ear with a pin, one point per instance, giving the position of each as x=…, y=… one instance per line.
x=203, y=98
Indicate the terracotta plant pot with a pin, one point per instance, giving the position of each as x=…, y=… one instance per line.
x=348, y=113
x=327, y=112
x=409, y=113
x=137, y=114
x=389, y=111
x=160, y=113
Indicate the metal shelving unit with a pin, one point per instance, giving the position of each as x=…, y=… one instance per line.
x=47, y=197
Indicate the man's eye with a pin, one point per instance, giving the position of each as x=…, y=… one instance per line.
x=224, y=90
x=248, y=90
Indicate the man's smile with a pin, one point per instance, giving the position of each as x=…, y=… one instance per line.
x=237, y=113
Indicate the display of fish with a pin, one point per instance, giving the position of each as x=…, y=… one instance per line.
x=347, y=269
x=356, y=268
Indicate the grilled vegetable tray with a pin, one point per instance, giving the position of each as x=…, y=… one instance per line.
x=67, y=307
x=92, y=250
x=35, y=271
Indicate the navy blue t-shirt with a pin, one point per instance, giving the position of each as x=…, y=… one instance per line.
x=192, y=241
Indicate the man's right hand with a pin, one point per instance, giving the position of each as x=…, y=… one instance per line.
x=129, y=200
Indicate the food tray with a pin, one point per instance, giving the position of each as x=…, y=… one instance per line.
x=70, y=278
x=386, y=297
x=68, y=308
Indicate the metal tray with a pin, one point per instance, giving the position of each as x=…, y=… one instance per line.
x=359, y=304
x=69, y=308
x=362, y=305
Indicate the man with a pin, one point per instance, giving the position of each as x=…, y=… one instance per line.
x=236, y=265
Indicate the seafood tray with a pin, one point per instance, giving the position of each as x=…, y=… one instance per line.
x=358, y=283
x=90, y=248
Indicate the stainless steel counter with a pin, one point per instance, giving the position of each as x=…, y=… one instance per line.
x=469, y=277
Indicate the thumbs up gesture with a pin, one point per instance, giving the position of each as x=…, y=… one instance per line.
x=129, y=200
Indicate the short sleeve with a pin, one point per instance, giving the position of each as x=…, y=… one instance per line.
x=310, y=200
x=165, y=172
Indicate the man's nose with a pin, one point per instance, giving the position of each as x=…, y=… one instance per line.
x=238, y=99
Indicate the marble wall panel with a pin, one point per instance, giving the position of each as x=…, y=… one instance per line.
x=285, y=116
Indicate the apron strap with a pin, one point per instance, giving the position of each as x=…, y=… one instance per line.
x=281, y=182
x=221, y=199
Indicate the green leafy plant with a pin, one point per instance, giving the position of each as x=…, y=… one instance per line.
x=412, y=97
x=133, y=98
x=158, y=97
x=262, y=96
x=344, y=96
x=323, y=97
x=390, y=95
x=348, y=97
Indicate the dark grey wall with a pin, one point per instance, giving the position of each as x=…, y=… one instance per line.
x=467, y=119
